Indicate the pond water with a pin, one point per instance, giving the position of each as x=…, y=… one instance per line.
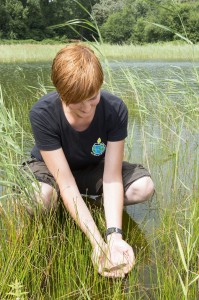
x=18, y=77
x=21, y=81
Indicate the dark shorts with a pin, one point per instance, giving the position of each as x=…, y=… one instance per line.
x=89, y=180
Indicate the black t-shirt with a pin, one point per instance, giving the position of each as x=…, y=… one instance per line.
x=52, y=130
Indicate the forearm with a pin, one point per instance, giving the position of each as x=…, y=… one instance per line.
x=59, y=168
x=113, y=202
x=80, y=213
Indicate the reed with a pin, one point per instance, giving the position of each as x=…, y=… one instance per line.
x=168, y=131
x=47, y=257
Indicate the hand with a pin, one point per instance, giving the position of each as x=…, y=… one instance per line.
x=121, y=255
x=114, y=259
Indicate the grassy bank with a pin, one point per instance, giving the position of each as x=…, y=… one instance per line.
x=163, y=52
x=47, y=257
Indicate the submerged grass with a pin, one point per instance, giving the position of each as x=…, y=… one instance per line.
x=162, y=52
x=47, y=257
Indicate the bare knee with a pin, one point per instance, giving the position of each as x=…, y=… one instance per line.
x=44, y=197
x=139, y=191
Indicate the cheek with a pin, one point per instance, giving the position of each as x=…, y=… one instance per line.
x=96, y=101
x=74, y=106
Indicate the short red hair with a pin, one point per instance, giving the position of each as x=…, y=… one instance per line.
x=76, y=73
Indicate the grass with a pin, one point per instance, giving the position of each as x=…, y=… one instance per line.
x=162, y=52
x=47, y=257
x=150, y=52
x=28, y=52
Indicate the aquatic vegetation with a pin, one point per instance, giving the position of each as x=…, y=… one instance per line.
x=47, y=257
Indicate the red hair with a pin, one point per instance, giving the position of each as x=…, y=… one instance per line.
x=76, y=73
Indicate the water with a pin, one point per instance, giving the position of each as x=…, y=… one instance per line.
x=18, y=77
x=170, y=153
x=22, y=82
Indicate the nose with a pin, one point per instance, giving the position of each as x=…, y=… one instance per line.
x=86, y=106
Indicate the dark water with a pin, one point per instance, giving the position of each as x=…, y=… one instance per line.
x=26, y=81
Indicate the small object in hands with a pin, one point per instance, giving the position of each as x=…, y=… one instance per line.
x=114, y=268
x=113, y=230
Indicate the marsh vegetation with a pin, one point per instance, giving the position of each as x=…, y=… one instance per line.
x=47, y=257
x=16, y=53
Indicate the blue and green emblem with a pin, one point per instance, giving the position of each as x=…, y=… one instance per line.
x=98, y=148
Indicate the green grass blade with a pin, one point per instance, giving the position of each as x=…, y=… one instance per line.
x=196, y=278
x=181, y=252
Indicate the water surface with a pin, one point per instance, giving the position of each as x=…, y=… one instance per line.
x=26, y=81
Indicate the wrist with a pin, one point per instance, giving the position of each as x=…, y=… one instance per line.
x=114, y=232
x=114, y=236
x=97, y=243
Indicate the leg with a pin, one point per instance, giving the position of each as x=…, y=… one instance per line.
x=43, y=192
x=137, y=182
x=139, y=191
x=45, y=198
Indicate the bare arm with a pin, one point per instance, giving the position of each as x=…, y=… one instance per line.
x=112, y=184
x=58, y=166
x=120, y=253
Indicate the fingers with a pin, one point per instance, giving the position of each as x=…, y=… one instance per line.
x=116, y=271
x=112, y=271
x=130, y=258
x=116, y=268
x=113, y=274
x=124, y=268
x=114, y=263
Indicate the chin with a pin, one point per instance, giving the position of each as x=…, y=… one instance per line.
x=82, y=115
x=86, y=113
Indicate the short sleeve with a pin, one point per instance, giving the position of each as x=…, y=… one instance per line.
x=118, y=131
x=46, y=136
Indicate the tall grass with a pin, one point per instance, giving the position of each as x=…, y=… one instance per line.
x=169, y=135
x=150, y=52
x=162, y=52
x=28, y=52
x=47, y=257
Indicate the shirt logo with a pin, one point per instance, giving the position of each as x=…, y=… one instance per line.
x=98, y=148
